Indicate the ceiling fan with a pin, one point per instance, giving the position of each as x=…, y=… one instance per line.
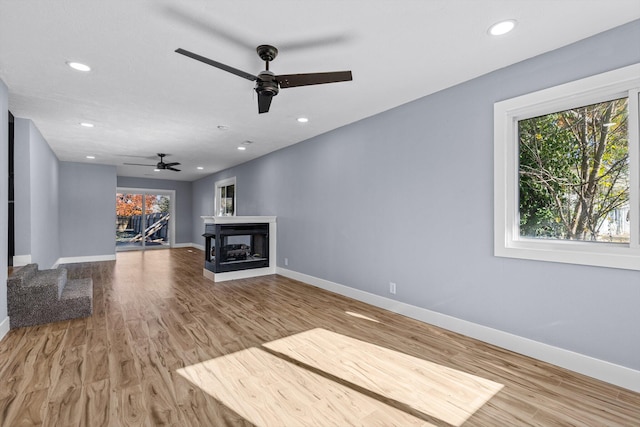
x=267, y=83
x=160, y=165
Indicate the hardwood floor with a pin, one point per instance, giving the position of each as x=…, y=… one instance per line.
x=167, y=347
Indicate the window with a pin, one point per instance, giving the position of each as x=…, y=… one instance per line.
x=566, y=164
x=226, y=197
x=144, y=218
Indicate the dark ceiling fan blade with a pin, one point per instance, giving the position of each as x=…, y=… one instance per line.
x=264, y=102
x=208, y=26
x=294, y=80
x=217, y=64
x=172, y=169
x=168, y=165
x=137, y=164
x=222, y=30
x=310, y=43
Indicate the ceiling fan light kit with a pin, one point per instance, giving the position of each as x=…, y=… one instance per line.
x=269, y=84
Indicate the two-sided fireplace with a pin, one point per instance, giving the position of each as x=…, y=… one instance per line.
x=233, y=247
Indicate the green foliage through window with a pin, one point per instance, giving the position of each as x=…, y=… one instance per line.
x=574, y=174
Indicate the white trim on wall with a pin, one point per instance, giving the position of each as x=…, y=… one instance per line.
x=4, y=327
x=596, y=368
x=91, y=258
x=197, y=246
x=189, y=245
x=183, y=245
x=21, y=260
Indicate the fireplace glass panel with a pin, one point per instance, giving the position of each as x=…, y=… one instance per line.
x=231, y=247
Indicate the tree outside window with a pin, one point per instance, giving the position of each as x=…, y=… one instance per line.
x=131, y=204
x=574, y=174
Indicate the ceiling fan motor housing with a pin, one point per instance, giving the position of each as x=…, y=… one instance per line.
x=267, y=85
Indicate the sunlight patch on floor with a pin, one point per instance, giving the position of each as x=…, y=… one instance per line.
x=361, y=316
x=443, y=393
x=268, y=390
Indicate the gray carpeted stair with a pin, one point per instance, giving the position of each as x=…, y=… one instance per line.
x=36, y=297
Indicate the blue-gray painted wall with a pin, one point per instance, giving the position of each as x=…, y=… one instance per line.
x=62, y=209
x=407, y=196
x=183, y=201
x=87, y=209
x=22, y=186
x=37, y=196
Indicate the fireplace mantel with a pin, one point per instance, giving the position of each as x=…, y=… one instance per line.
x=238, y=219
x=217, y=221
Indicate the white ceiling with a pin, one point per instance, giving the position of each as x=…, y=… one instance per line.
x=143, y=98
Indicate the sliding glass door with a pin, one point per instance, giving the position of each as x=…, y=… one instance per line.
x=143, y=220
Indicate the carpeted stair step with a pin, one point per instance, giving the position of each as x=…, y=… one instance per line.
x=29, y=287
x=23, y=275
x=77, y=298
x=35, y=297
x=56, y=277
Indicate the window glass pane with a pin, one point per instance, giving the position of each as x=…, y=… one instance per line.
x=129, y=210
x=574, y=174
x=227, y=200
x=226, y=197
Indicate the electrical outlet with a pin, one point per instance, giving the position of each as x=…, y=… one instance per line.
x=392, y=288
x=286, y=261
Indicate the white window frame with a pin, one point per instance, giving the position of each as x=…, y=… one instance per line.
x=218, y=202
x=599, y=88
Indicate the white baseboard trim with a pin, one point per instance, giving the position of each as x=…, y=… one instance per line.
x=90, y=258
x=239, y=274
x=605, y=371
x=182, y=245
x=4, y=327
x=21, y=260
x=197, y=246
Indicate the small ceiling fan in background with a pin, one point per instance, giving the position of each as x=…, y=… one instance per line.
x=161, y=165
x=267, y=83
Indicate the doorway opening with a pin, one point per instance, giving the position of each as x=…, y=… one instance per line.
x=144, y=219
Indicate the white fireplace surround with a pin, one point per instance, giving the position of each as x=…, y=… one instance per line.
x=254, y=272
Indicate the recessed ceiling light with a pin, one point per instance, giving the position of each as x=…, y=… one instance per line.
x=156, y=170
x=78, y=66
x=502, y=27
x=91, y=157
x=86, y=125
x=303, y=119
x=242, y=148
x=200, y=168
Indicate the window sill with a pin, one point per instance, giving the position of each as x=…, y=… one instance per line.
x=570, y=252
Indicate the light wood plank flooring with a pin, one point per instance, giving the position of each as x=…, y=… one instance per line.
x=167, y=347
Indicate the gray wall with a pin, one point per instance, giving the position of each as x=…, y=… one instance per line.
x=87, y=209
x=4, y=197
x=22, y=186
x=183, y=201
x=407, y=196
x=40, y=234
